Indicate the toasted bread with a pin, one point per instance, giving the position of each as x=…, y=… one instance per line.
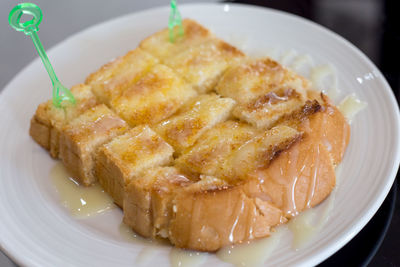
x=147, y=203
x=48, y=120
x=123, y=159
x=210, y=152
x=160, y=46
x=202, y=65
x=83, y=135
x=264, y=90
x=195, y=117
x=113, y=78
x=154, y=97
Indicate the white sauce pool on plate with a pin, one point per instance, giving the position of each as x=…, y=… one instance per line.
x=254, y=253
x=80, y=201
x=187, y=258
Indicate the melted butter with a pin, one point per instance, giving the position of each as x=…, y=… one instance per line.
x=185, y=258
x=254, y=253
x=81, y=201
x=350, y=106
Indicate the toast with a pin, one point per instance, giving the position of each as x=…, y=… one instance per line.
x=197, y=143
x=124, y=158
x=83, y=135
x=113, y=78
x=154, y=97
x=48, y=120
x=198, y=56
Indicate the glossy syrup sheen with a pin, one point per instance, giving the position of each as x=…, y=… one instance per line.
x=80, y=201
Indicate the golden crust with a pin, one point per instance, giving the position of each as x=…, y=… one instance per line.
x=208, y=220
x=123, y=159
x=147, y=202
x=82, y=136
x=154, y=97
x=159, y=45
x=113, y=78
x=202, y=65
x=254, y=78
x=209, y=153
x=194, y=118
x=264, y=90
x=48, y=120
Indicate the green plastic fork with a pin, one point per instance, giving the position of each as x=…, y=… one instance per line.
x=175, y=19
x=61, y=94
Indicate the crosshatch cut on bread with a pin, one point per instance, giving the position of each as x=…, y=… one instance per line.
x=196, y=142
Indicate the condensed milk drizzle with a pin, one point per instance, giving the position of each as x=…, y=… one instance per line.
x=80, y=201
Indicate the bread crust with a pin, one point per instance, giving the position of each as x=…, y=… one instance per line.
x=225, y=211
x=209, y=214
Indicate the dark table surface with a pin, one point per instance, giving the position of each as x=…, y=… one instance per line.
x=371, y=25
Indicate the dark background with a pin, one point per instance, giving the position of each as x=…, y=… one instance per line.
x=371, y=25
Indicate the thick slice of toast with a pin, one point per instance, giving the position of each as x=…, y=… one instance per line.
x=83, y=135
x=113, y=78
x=246, y=159
x=154, y=97
x=194, y=118
x=126, y=156
x=48, y=120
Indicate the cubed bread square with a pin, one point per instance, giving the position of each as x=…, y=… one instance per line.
x=265, y=110
x=48, y=120
x=258, y=152
x=154, y=97
x=123, y=159
x=83, y=135
x=148, y=200
x=113, y=78
x=159, y=44
x=203, y=64
x=254, y=78
x=194, y=118
x=211, y=150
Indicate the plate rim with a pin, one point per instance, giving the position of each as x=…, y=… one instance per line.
x=351, y=231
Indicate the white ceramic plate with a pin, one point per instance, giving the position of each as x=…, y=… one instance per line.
x=36, y=230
